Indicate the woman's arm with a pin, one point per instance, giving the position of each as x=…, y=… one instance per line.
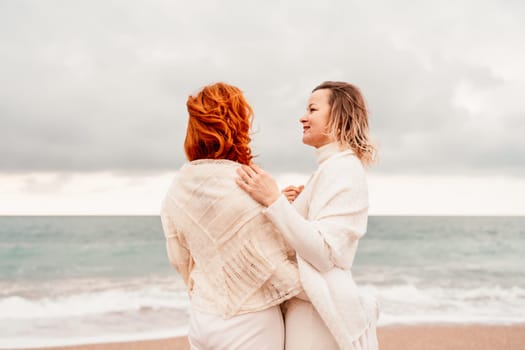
x=178, y=254
x=303, y=235
x=330, y=236
x=338, y=216
x=297, y=230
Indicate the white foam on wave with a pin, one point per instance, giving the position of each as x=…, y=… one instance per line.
x=410, y=304
x=91, y=303
x=131, y=311
x=39, y=342
x=99, y=317
x=406, y=300
x=387, y=319
x=411, y=293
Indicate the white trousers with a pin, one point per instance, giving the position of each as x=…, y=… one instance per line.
x=261, y=330
x=305, y=330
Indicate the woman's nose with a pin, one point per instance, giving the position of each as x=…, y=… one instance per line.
x=303, y=119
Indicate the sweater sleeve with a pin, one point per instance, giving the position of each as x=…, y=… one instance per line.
x=337, y=219
x=300, y=233
x=178, y=253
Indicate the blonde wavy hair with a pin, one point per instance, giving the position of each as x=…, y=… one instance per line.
x=348, y=121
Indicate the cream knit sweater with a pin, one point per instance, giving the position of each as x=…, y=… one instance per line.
x=324, y=226
x=229, y=254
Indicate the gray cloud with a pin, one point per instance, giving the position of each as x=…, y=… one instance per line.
x=93, y=86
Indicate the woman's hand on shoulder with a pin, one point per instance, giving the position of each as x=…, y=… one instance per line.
x=259, y=184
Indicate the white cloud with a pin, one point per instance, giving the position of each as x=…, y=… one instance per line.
x=110, y=194
x=446, y=195
x=82, y=194
x=101, y=86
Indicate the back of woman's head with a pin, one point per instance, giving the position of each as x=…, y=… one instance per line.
x=218, y=125
x=349, y=119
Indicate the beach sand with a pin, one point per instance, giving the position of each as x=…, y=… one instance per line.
x=427, y=337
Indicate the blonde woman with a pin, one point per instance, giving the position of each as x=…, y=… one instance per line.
x=325, y=222
x=235, y=264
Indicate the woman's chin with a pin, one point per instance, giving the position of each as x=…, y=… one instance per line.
x=307, y=141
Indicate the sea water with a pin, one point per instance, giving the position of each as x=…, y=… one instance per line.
x=87, y=279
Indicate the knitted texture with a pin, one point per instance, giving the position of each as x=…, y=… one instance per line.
x=324, y=226
x=229, y=254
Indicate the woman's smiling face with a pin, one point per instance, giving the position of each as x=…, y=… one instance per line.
x=315, y=120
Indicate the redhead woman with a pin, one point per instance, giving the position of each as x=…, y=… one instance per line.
x=235, y=264
x=324, y=223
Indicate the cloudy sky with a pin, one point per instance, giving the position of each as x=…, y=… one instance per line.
x=92, y=96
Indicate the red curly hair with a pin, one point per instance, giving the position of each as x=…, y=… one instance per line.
x=218, y=125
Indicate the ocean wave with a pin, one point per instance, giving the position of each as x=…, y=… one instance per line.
x=388, y=319
x=414, y=304
x=60, y=334
x=60, y=340
x=415, y=294
x=138, y=310
x=92, y=303
x=403, y=302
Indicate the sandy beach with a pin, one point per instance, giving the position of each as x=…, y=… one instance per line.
x=424, y=337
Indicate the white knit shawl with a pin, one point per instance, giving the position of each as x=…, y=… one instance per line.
x=229, y=254
x=324, y=226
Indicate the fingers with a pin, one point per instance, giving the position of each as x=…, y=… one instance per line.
x=258, y=184
x=249, y=170
x=293, y=189
x=287, y=189
x=256, y=168
x=242, y=184
x=291, y=192
x=244, y=176
x=289, y=198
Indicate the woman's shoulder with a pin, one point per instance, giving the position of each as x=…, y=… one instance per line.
x=206, y=170
x=342, y=177
x=207, y=178
x=210, y=166
x=344, y=166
